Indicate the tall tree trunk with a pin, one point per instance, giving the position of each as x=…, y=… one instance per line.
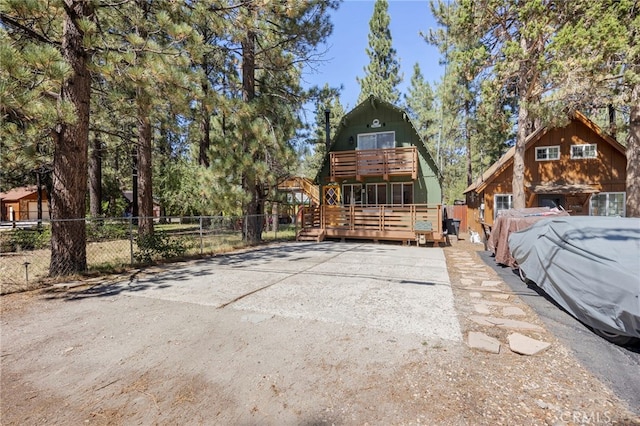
x=613, y=128
x=205, y=129
x=633, y=156
x=164, y=148
x=39, y=200
x=68, y=237
x=517, y=182
x=95, y=178
x=467, y=110
x=145, y=196
x=252, y=232
x=134, y=183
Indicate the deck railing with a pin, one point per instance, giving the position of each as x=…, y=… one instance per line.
x=376, y=222
x=375, y=162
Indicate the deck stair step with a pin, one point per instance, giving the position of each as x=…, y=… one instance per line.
x=310, y=234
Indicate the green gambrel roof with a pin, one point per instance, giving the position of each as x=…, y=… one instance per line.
x=374, y=102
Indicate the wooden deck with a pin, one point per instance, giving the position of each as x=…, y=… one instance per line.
x=374, y=162
x=416, y=222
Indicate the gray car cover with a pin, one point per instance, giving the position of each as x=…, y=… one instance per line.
x=589, y=265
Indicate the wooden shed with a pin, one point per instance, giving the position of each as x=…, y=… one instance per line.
x=378, y=181
x=22, y=204
x=577, y=167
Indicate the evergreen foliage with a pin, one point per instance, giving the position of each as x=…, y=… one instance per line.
x=532, y=63
x=316, y=146
x=167, y=104
x=382, y=74
x=420, y=105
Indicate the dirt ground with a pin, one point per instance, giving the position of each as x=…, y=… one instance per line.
x=239, y=367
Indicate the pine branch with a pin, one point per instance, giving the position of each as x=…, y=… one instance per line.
x=116, y=4
x=4, y=18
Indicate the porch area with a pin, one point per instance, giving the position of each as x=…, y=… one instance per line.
x=417, y=222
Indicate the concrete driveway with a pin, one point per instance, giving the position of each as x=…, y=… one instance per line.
x=387, y=287
x=298, y=333
x=291, y=334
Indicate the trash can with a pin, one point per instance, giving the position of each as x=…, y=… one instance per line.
x=456, y=226
x=453, y=226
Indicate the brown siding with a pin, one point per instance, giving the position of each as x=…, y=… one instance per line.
x=606, y=173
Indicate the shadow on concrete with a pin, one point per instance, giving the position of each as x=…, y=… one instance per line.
x=167, y=275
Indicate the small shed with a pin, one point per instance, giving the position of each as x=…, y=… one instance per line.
x=22, y=204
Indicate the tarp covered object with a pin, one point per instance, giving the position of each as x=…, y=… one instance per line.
x=513, y=220
x=589, y=265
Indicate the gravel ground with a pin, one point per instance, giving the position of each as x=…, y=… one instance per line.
x=297, y=334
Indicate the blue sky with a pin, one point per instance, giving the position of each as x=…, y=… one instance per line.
x=346, y=57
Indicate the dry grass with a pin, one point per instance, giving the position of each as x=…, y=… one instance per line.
x=28, y=269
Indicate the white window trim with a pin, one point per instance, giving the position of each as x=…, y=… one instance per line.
x=376, y=133
x=546, y=148
x=624, y=202
x=583, y=146
x=495, y=203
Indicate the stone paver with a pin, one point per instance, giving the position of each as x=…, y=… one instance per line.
x=477, y=340
x=524, y=345
x=504, y=323
x=481, y=308
x=501, y=296
x=512, y=311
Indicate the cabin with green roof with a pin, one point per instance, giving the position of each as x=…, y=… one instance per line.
x=377, y=181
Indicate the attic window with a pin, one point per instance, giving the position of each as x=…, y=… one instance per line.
x=546, y=153
x=380, y=140
x=584, y=151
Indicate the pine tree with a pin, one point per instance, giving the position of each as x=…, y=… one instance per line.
x=274, y=43
x=512, y=39
x=382, y=74
x=31, y=70
x=66, y=29
x=147, y=61
x=420, y=105
x=601, y=67
x=328, y=100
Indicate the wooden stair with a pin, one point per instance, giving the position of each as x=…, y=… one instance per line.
x=310, y=234
x=305, y=185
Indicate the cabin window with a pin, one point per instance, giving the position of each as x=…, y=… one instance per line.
x=376, y=193
x=502, y=202
x=607, y=204
x=546, y=153
x=380, y=140
x=351, y=194
x=402, y=193
x=584, y=151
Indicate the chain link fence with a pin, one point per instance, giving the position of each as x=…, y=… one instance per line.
x=114, y=244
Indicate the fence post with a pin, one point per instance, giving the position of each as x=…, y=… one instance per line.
x=131, y=238
x=201, y=241
x=245, y=226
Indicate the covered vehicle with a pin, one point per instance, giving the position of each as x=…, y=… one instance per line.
x=588, y=265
